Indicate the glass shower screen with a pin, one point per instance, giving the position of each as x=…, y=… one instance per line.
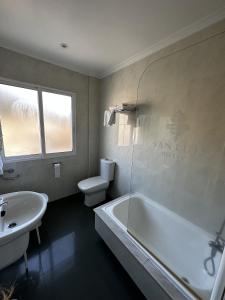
x=178, y=211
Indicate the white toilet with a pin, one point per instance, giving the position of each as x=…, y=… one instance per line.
x=95, y=188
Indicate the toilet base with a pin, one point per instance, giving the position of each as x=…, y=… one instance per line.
x=94, y=198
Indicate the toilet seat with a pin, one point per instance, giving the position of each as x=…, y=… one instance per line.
x=93, y=184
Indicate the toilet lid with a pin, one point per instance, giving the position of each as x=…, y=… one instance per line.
x=93, y=184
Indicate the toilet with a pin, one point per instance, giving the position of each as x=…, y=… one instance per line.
x=95, y=188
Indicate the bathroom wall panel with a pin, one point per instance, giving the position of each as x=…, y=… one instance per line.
x=37, y=175
x=93, y=111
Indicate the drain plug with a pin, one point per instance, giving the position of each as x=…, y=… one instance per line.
x=12, y=225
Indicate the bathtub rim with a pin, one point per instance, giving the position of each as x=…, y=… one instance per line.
x=105, y=212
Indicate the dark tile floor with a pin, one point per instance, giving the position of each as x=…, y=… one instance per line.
x=72, y=262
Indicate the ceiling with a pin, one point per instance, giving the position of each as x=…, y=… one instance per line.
x=102, y=35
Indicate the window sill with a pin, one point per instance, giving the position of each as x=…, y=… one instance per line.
x=15, y=159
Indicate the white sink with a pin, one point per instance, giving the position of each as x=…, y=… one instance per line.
x=25, y=210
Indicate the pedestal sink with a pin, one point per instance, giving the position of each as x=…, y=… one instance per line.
x=22, y=212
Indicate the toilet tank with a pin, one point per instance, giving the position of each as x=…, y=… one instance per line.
x=107, y=169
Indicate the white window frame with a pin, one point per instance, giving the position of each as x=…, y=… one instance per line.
x=43, y=154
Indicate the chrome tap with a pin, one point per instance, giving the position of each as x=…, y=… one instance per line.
x=217, y=245
x=3, y=205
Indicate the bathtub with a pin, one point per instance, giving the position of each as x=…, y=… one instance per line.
x=169, y=248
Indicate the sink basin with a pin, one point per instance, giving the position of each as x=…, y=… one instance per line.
x=23, y=213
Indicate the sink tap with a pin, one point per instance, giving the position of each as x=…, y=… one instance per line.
x=3, y=205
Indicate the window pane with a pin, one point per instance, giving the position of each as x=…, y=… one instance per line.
x=57, y=111
x=20, y=120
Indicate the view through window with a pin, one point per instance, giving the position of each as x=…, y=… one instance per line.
x=35, y=121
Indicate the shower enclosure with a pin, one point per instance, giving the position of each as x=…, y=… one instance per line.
x=178, y=165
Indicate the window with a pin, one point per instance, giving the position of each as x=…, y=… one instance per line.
x=58, y=122
x=36, y=122
x=20, y=121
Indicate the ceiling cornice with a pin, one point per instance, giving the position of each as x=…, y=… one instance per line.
x=173, y=38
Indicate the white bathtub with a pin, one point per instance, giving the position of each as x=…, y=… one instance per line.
x=178, y=246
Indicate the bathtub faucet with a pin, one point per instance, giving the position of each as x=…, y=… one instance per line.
x=218, y=244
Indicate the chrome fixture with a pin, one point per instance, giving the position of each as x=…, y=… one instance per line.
x=10, y=172
x=217, y=245
x=3, y=205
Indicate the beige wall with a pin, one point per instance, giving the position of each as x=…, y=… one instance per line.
x=178, y=159
x=37, y=175
x=93, y=111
